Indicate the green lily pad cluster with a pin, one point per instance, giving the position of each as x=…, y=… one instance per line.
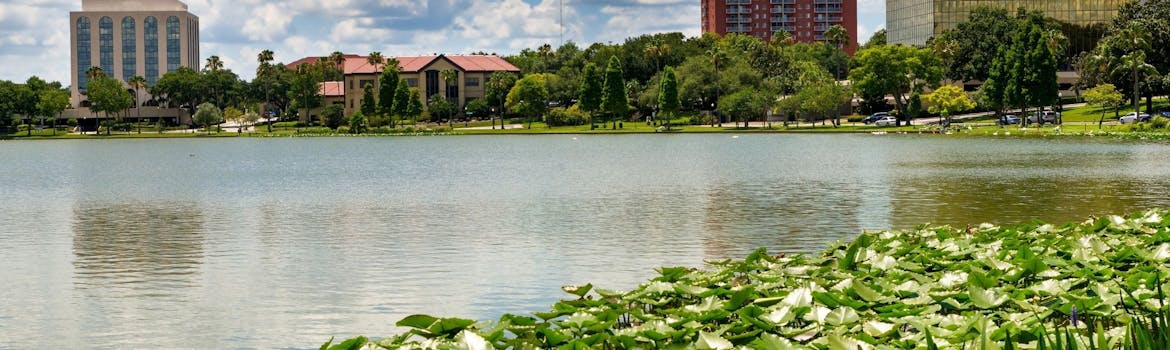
x=933, y=287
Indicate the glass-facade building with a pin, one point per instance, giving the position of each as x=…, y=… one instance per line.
x=913, y=22
x=127, y=38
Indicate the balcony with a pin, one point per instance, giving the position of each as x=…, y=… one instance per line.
x=732, y=10
x=739, y=2
x=827, y=8
x=784, y=9
x=788, y=2
x=738, y=29
x=786, y=28
x=739, y=19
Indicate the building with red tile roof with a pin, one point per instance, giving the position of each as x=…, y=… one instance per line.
x=421, y=72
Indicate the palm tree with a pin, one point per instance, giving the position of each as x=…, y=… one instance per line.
x=782, y=37
x=545, y=52
x=452, y=78
x=214, y=64
x=138, y=83
x=377, y=60
x=837, y=35
x=1135, y=63
x=656, y=50
x=265, y=59
x=338, y=60
x=716, y=54
x=94, y=72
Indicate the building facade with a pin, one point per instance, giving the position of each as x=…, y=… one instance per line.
x=805, y=20
x=126, y=38
x=421, y=72
x=913, y=22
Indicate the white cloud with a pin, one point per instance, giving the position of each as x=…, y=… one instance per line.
x=268, y=22
x=625, y=22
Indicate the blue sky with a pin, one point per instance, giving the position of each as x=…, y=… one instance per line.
x=34, y=36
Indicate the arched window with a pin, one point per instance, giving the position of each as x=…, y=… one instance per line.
x=172, y=43
x=150, y=48
x=83, y=54
x=129, y=49
x=106, y=45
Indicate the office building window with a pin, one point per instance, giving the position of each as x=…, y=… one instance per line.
x=150, y=48
x=172, y=43
x=83, y=54
x=129, y=49
x=106, y=45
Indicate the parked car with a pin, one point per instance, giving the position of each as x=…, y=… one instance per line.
x=1133, y=117
x=874, y=117
x=886, y=121
x=1007, y=119
x=1042, y=118
x=1165, y=114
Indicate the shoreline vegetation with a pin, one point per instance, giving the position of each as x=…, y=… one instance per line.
x=1097, y=284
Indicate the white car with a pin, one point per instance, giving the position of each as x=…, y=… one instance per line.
x=1133, y=117
x=886, y=121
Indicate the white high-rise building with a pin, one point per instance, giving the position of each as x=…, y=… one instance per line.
x=126, y=38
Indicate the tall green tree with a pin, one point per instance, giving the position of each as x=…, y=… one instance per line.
x=613, y=99
x=369, y=104
x=358, y=123
x=496, y=92
x=206, y=115
x=528, y=97
x=414, y=106
x=440, y=108
x=305, y=88
x=591, y=84
x=948, y=100
x=895, y=70
x=668, y=103
x=1103, y=96
x=403, y=101
x=388, y=90
x=51, y=103
x=106, y=95
x=263, y=70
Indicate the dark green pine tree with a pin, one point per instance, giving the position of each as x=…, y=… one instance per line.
x=668, y=102
x=369, y=104
x=388, y=86
x=613, y=98
x=590, y=100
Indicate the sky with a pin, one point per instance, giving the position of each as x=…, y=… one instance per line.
x=34, y=34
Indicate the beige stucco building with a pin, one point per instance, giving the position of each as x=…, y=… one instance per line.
x=126, y=38
x=420, y=72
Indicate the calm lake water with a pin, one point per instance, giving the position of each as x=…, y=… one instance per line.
x=283, y=243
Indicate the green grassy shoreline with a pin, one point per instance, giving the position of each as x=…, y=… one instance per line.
x=1096, y=284
x=979, y=130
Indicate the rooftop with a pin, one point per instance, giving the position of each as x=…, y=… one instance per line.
x=132, y=5
x=357, y=64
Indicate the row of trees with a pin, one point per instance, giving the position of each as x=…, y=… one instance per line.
x=34, y=98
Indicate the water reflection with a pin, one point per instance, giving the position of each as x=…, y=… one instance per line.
x=141, y=249
x=786, y=216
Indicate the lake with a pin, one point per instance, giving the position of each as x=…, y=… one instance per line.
x=283, y=243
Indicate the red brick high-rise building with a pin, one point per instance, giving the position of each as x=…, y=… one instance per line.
x=806, y=20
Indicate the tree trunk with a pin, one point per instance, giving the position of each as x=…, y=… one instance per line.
x=1102, y=121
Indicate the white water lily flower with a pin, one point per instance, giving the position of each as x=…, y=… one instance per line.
x=1162, y=253
x=952, y=279
x=881, y=261
x=1152, y=217
x=473, y=341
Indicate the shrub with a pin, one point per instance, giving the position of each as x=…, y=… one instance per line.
x=1159, y=122
x=855, y=118
x=701, y=120
x=72, y=122
x=1139, y=127
x=572, y=116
